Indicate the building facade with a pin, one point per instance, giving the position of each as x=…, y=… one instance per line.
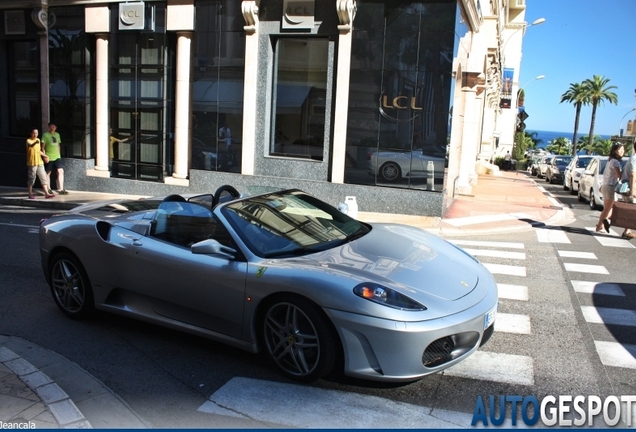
x=395, y=102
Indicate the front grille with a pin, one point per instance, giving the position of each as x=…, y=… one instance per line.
x=438, y=352
x=449, y=348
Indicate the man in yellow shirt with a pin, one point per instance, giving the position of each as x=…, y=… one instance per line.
x=35, y=164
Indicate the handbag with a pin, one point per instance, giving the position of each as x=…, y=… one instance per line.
x=621, y=187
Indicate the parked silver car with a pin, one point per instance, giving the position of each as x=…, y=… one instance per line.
x=573, y=173
x=555, y=168
x=283, y=273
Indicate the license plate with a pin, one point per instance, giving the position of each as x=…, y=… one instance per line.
x=489, y=318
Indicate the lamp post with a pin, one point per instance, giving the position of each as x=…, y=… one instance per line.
x=524, y=26
x=620, y=127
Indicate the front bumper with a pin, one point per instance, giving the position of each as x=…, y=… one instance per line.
x=385, y=350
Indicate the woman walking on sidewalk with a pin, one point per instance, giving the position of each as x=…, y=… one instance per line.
x=610, y=176
x=35, y=158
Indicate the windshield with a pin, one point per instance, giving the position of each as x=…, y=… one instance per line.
x=582, y=162
x=290, y=223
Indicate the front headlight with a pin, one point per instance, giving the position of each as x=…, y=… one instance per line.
x=387, y=297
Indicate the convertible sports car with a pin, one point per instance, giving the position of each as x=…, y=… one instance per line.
x=281, y=273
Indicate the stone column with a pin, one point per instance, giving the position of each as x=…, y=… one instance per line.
x=101, y=102
x=42, y=20
x=346, y=13
x=250, y=84
x=182, y=106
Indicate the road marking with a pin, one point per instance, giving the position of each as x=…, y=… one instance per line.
x=513, y=292
x=585, y=268
x=623, y=317
x=597, y=288
x=499, y=367
x=555, y=202
x=576, y=254
x=513, y=323
x=610, y=240
x=496, y=253
x=505, y=269
x=474, y=220
x=509, y=245
x=616, y=354
x=299, y=406
x=20, y=225
x=546, y=235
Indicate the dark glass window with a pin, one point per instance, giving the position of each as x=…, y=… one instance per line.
x=218, y=73
x=400, y=91
x=300, y=92
x=71, y=73
x=24, y=88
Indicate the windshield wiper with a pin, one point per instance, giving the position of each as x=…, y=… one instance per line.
x=296, y=252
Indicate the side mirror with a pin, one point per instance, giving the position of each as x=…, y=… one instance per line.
x=212, y=247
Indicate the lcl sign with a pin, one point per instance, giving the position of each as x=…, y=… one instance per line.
x=131, y=16
x=400, y=102
x=298, y=14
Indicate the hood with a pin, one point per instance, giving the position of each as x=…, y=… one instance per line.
x=405, y=258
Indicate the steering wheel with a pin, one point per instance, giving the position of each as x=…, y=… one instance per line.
x=227, y=190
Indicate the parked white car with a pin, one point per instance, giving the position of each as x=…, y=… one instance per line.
x=591, y=179
x=573, y=173
x=391, y=166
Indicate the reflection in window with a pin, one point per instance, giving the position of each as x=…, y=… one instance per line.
x=300, y=88
x=24, y=87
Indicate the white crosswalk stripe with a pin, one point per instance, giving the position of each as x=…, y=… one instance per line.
x=513, y=292
x=552, y=235
x=513, y=323
x=505, y=245
x=616, y=354
x=577, y=254
x=496, y=253
x=623, y=317
x=588, y=287
x=612, y=239
x=499, y=367
x=505, y=269
x=585, y=268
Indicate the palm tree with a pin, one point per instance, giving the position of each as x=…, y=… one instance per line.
x=597, y=91
x=585, y=144
x=577, y=95
x=560, y=146
x=602, y=146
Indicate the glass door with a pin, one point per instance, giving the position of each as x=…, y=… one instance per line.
x=139, y=107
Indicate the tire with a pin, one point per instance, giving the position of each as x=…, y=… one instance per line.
x=70, y=286
x=572, y=191
x=580, y=197
x=298, y=338
x=390, y=171
x=593, y=205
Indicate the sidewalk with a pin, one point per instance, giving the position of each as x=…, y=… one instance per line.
x=41, y=388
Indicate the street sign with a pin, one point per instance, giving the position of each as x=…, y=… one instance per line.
x=523, y=115
x=629, y=140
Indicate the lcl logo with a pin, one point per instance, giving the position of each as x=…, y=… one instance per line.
x=131, y=16
x=400, y=102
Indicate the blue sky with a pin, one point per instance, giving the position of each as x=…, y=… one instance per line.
x=579, y=39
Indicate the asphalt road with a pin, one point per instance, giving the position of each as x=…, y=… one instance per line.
x=554, y=337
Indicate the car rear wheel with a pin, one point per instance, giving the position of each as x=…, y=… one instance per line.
x=390, y=171
x=299, y=339
x=70, y=286
x=593, y=205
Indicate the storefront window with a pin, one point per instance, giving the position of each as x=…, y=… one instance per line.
x=300, y=93
x=70, y=79
x=399, y=96
x=24, y=91
x=218, y=56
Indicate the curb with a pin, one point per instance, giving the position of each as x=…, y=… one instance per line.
x=74, y=397
x=56, y=401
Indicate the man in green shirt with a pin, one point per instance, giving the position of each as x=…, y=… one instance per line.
x=52, y=141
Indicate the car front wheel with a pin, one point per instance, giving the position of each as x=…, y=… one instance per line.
x=299, y=339
x=70, y=286
x=592, y=200
x=390, y=171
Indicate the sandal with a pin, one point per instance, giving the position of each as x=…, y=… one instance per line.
x=628, y=236
x=607, y=225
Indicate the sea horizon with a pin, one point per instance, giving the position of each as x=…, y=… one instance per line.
x=547, y=136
